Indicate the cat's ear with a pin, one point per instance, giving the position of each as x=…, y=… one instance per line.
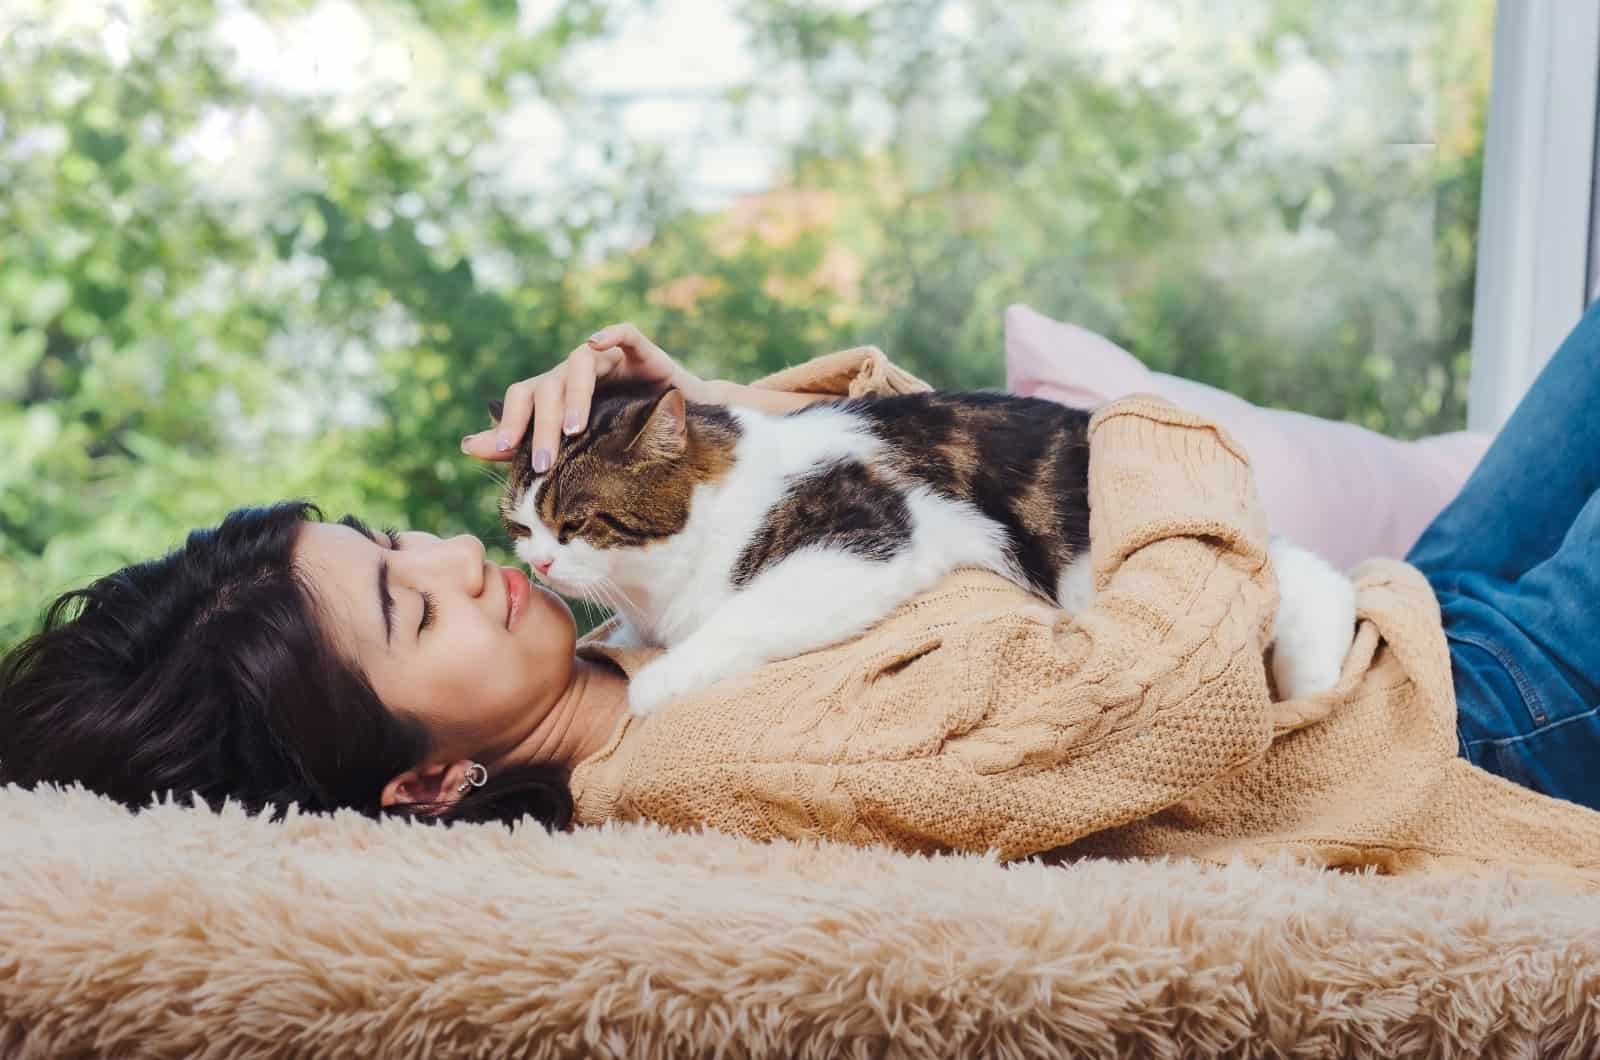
x=665, y=433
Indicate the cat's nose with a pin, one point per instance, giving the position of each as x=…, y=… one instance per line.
x=542, y=565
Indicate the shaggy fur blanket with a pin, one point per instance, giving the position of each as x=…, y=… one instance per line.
x=183, y=933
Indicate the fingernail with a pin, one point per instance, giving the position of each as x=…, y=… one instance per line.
x=541, y=461
x=500, y=443
x=465, y=441
x=596, y=336
x=571, y=424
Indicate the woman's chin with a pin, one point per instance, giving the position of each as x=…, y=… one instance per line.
x=547, y=614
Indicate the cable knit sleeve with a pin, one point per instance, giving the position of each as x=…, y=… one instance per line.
x=1154, y=691
x=863, y=371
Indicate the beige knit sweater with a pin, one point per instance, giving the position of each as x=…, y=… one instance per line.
x=977, y=717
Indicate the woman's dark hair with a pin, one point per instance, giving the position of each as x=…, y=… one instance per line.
x=205, y=674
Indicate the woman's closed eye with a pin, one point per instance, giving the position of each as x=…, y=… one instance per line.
x=430, y=606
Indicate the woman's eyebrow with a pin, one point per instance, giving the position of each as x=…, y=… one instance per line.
x=358, y=526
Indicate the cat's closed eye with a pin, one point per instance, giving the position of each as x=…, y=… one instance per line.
x=517, y=529
x=569, y=529
x=617, y=526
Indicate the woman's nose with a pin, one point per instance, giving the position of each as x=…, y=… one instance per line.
x=459, y=559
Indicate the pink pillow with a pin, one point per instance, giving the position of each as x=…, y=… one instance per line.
x=1343, y=491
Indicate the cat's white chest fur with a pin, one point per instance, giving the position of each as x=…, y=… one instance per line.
x=683, y=582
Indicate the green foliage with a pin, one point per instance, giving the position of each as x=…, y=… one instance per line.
x=218, y=287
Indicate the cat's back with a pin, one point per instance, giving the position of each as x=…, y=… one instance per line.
x=1022, y=463
x=981, y=446
x=1005, y=429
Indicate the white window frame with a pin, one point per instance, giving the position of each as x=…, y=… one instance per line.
x=1538, y=243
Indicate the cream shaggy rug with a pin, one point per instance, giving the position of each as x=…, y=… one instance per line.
x=184, y=933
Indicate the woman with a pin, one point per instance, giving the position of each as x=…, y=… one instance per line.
x=279, y=658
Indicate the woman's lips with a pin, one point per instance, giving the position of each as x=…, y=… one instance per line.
x=517, y=592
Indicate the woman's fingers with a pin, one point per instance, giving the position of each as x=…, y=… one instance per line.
x=579, y=390
x=637, y=356
x=626, y=336
x=515, y=410
x=539, y=401
x=559, y=401
x=482, y=444
x=548, y=399
x=486, y=445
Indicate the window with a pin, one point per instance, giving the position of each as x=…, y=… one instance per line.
x=1537, y=265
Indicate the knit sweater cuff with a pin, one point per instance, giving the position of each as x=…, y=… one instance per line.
x=1156, y=471
x=860, y=372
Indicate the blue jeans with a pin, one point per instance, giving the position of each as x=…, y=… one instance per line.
x=1515, y=562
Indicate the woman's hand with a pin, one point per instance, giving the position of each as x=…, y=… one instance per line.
x=557, y=402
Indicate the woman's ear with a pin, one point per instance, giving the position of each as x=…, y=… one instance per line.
x=432, y=783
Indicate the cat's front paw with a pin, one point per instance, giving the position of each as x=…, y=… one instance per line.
x=660, y=682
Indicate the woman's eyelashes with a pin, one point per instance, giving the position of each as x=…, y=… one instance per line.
x=430, y=606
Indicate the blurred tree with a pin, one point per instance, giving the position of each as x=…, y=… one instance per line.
x=289, y=248
x=133, y=398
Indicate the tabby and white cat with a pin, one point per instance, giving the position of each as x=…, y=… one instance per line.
x=732, y=537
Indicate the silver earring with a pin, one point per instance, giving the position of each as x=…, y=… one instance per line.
x=477, y=777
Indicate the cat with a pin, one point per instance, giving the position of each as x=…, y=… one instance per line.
x=732, y=538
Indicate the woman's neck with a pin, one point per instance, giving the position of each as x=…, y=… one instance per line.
x=580, y=720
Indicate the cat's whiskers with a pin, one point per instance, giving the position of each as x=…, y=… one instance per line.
x=621, y=596
x=499, y=478
x=585, y=592
x=574, y=595
x=590, y=591
x=608, y=591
